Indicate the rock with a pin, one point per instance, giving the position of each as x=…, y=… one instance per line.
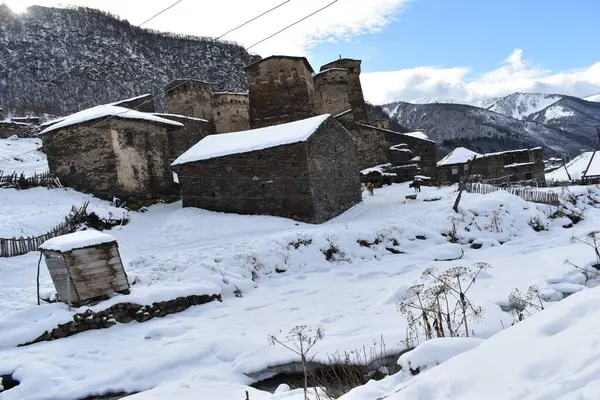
x=476, y=245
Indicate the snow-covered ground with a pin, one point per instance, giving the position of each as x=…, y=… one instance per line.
x=280, y=268
x=576, y=168
x=22, y=156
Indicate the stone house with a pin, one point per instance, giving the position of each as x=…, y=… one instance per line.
x=281, y=89
x=190, y=97
x=112, y=151
x=305, y=170
x=501, y=167
x=21, y=129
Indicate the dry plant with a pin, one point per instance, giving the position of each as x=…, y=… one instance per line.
x=300, y=340
x=526, y=304
x=442, y=309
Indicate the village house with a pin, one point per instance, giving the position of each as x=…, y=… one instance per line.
x=305, y=170
x=500, y=167
x=112, y=151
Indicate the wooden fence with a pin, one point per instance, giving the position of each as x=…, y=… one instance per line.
x=12, y=247
x=20, y=181
x=535, y=196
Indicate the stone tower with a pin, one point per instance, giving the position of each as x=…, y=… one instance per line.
x=231, y=112
x=281, y=90
x=189, y=97
x=331, y=91
x=355, y=93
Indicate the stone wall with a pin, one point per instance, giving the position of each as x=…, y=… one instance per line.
x=334, y=175
x=371, y=145
x=424, y=149
x=120, y=157
x=506, y=166
x=22, y=130
x=273, y=181
x=231, y=112
x=182, y=139
x=355, y=93
x=281, y=90
x=331, y=88
x=189, y=97
x=122, y=313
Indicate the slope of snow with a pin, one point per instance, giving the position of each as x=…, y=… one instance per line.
x=254, y=139
x=577, y=167
x=460, y=155
x=77, y=240
x=556, y=112
x=595, y=98
x=551, y=355
x=22, y=156
x=106, y=111
x=522, y=105
x=170, y=252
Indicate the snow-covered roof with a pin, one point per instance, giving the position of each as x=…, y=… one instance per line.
x=107, y=111
x=224, y=144
x=179, y=116
x=231, y=93
x=377, y=168
x=460, y=155
x=77, y=240
x=343, y=113
x=330, y=70
x=513, y=165
x=418, y=135
x=116, y=103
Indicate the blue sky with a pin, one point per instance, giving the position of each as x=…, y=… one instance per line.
x=558, y=35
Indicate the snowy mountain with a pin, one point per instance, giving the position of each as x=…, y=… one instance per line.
x=521, y=105
x=595, y=97
x=92, y=58
x=457, y=125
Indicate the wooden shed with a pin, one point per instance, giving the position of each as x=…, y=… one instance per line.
x=85, y=266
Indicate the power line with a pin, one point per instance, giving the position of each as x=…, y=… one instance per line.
x=253, y=19
x=158, y=13
x=295, y=23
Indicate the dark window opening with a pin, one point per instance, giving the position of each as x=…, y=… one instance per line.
x=260, y=157
x=214, y=194
x=129, y=138
x=351, y=70
x=218, y=113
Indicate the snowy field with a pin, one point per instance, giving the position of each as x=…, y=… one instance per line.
x=22, y=156
x=280, y=268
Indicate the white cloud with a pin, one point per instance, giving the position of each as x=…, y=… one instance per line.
x=341, y=21
x=515, y=75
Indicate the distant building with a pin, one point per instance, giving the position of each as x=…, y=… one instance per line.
x=501, y=167
x=305, y=170
x=190, y=97
x=355, y=93
x=281, y=89
x=230, y=112
x=21, y=129
x=112, y=151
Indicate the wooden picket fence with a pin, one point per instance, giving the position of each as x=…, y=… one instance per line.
x=535, y=196
x=12, y=247
x=20, y=181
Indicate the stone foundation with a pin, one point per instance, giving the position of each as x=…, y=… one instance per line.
x=123, y=313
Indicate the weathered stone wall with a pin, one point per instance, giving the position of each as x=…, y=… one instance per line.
x=143, y=103
x=22, y=130
x=231, y=112
x=189, y=97
x=355, y=94
x=334, y=175
x=372, y=148
x=331, y=88
x=120, y=157
x=142, y=153
x=506, y=166
x=381, y=123
x=82, y=157
x=122, y=313
x=182, y=139
x=273, y=181
x=281, y=90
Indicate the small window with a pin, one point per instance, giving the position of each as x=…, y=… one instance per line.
x=129, y=138
x=351, y=70
x=219, y=113
x=260, y=157
x=466, y=167
x=454, y=170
